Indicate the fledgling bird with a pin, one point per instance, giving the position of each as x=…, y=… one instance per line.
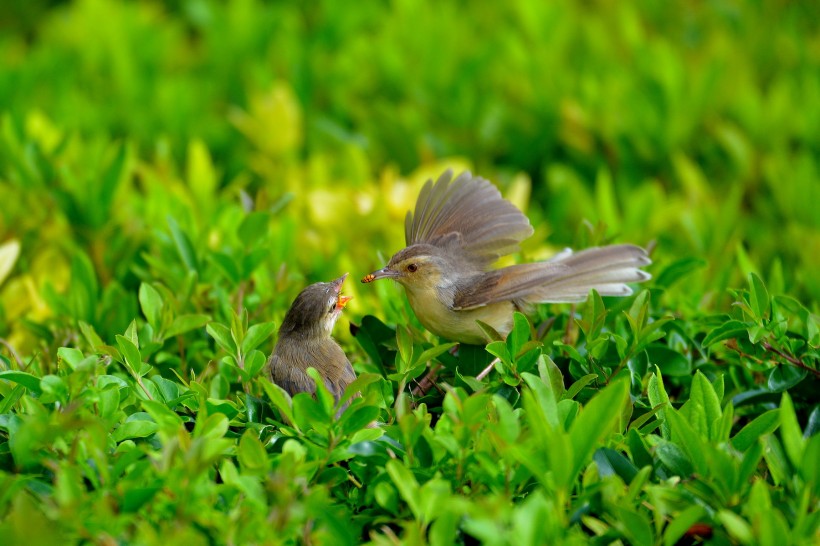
x=305, y=341
x=459, y=228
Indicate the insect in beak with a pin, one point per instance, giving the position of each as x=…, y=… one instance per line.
x=383, y=273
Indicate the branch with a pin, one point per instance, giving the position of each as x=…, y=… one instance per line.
x=790, y=359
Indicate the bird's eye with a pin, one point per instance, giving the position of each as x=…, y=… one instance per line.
x=331, y=308
x=412, y=268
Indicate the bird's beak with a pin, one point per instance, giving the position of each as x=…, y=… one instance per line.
x=342, y=301
x=339, y=282
x=383, y=273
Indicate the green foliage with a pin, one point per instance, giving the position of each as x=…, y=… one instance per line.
x=190, y=166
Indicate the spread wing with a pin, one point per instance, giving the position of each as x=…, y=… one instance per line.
x=566, y=278
x=469, y=216
x=509, y=283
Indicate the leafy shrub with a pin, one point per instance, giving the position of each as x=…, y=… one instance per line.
x=189, y=167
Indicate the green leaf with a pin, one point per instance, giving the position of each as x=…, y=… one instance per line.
x=134, y=429
x=186, y=323
x=151, y=303
x=597, y=419
x=251, y=453
x=737, y=527
x=404, y=340
x=280, y=399
x=225, y=407
x=635, y=526
x=499, y=349
x=489, y=332
x=759, y=296
x=731, y=329
x=670, y=362
x=309, y=413
x=703, y=395
x=673, y=458
x=611, y=462
x=793, y=440
x=545, y=398
x=137, y=497
x=223, y=337
x=576, y=387
x=183, y=245
x=784, y=376
x=323, y=395
x=254, y=363
x=109, y=401
x=256, y=335
x=519, y=335
x=373, y=335
x=131, y=355
x=211, y=425
x=637, y=448
x=682, y=522
x=406, y=484
x=227, y=265
x=658, y=397
x=550, y=372
x=54, y=389
x=167, y=420
x=31, y=382
x=169, y=390
x=689, y=441
x=254, y=228
x=765, y=423
x=434, y=352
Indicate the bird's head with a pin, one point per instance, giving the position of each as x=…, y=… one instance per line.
x=417, y=267
x=316, y=309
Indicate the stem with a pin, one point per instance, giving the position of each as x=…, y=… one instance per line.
x=486, y=371
x=427, y=382
x=792, y=360
x=142, y=385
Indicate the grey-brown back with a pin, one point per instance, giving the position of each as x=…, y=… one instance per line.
x=292, y=357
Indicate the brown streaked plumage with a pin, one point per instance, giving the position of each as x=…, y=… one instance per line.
x=458, y=230
x=305, y=341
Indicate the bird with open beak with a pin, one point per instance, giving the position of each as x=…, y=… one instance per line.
x=305, y=341
x=458, y=230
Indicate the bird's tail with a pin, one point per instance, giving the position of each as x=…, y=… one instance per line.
x=607, y=269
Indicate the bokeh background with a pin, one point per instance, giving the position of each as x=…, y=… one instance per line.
x=233, y=151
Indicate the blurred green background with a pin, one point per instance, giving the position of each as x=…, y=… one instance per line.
x=235, y=151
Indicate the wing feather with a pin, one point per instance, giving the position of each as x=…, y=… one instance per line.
x=566, y=278
x=469, y=216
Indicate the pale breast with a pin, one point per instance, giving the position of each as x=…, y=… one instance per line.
x=459, y=325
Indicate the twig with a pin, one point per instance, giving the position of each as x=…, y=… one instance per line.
x=486, y=371
x=792, y=360
x=427, y=382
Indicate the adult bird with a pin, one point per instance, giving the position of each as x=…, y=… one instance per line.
x=458, y=230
